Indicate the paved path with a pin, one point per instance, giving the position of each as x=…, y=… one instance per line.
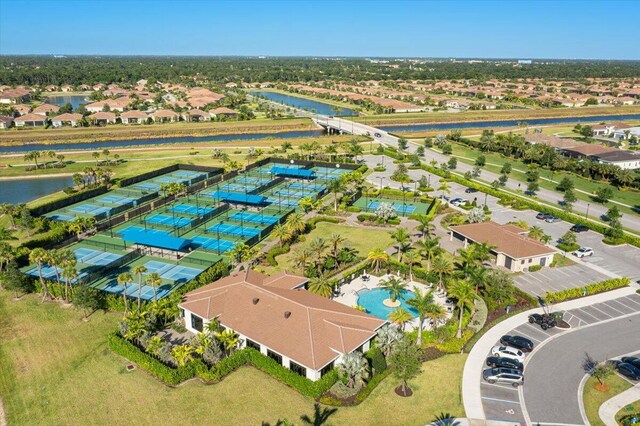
x=471, y=379
x=610, y=408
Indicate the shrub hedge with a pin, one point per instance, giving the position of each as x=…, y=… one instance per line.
x=535, y=268
x=275, y=252
x=574, y=293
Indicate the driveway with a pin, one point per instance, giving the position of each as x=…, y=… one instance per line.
x=553, y=371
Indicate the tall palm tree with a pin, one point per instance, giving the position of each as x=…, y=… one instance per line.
x=335, y=186
x=443, y=267
x=401, y=237
x=124, y=279
x=154, y=280
x=444, y=187
x=395, y=286
x=387, y=338
x=301, y=258
x=54, y=259
x=69, y=274
x=425, y=226
x=139, y=270
x=377, y=257
x=320, y=286
x=68, y=261
x=435, y=313
x=421, y=303
x=400, y=316
x=39, y=257
x=462, y=291
x=467, y=261
x=318, y=247
x=536, y=232
x=429, y=249
x=335, y=240
x=295, y=222
x=282, y=233
x=478, y=276
x=412, y=258
x=354, y=367
x=483, y=251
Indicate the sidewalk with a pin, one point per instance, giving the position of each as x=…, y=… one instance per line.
x=471, y=378
x=610, y=408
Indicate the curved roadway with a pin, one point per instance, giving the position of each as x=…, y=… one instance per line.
x=556, y=369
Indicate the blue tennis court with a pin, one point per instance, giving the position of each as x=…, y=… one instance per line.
x=400, y=208
x=237, y=230
x=181, y=273
x=95, y=257
x=252, y=181
x=187, y=174
x=116, y=199
x=254, y=218
x=147, y=186
x=213, y=244
x=283, y=202
x=191, y=209
x=90, y=209
x=295, y=193
x=171, y=179
x=141, y=229
x=306, y=186
x=166, y=220
x=236, y=187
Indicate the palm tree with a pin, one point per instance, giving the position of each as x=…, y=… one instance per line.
x=124, y=279
x=400, y=316
x=281, y=232
x=154, y=280
x=401, y=237
x=54, y=259
x=295, y=222
x=354, y=367
x=412, y=258
x=301, y=258
x=435, y=313
x=478, y=276
x=335, y=240
x=421, y=303
x=462, y=291
x=320, y=286
x=318, y=247
x=482, y=251
x=182, y=354
x=139, y=270
x=536, y=232
x=96, y=155
x=229, y=340
x=69, y=274
x=467, y=261
x=387, y=338
x=395, y=286
x=429, y=249
x=443, y=267
x=68, y=261
x=425, y=226
x=377, y=257
x=444, y=187
x=39, y=257
x=335, y=186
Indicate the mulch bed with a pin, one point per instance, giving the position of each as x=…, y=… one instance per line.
x=403, y=393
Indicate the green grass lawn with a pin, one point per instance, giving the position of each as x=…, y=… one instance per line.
x=363, y=240
x=635, y=408
x=593, y=398
x=56, y=369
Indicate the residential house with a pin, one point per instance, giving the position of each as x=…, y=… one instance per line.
x=102, y=118
x=275, y=315
x=164, y=116
x=46, y=109
x=513, y=250
x=626, y=133
x=15, y=96
x=118, y=104
x=551, y=140
x=22, y=109
x=67, y=88
x=5, y=121
x=31, y=120
x=587, y=150
x=51, y=88
x=133, y=117
x=196, y=115
x=69, y=119
x=627, y=160
x=224, y=112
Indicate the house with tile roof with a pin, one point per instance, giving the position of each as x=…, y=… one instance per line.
x=277, y=316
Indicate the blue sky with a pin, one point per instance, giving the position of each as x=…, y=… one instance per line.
x=510, y=29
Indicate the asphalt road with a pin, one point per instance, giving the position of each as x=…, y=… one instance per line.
x=554, y=372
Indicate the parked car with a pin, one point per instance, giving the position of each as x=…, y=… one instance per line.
x=517, y=342
x=543, y=216
x=630, y=371
x=470, y=190
x=553, y=219
x=499, y=362
x=508, y=352
x=377, y=135
x=504, y=375
x=544, y=321
x=631, y=360
x=583, y=252
x=577, y=228
x=458, y=202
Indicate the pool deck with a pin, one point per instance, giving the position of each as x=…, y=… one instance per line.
x=349, y=296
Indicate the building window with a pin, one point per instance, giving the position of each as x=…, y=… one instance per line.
x=274, y=356
x=326, y=369
x=298, y=369
x=530, y=260
x=252, y=344
x=182, y=313
x=196, y=322
x=522, y=262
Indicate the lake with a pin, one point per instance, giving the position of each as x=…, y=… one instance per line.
x=25, y=190
x=303, y=104
x=62, y=100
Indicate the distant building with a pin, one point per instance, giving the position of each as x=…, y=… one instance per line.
x=524, y=61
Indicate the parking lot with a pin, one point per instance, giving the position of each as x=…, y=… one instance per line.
x=556, y=279
x=505, y=403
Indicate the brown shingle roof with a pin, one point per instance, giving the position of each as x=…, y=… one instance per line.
x=503, y=238
x=103, y=115
x=31, y=117
x=67, y=117
x=134, y=113
x=316, y=331
x=590, y=149
x=550, y=140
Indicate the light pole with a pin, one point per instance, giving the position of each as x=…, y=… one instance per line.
x=381, y=179
x=586, y=216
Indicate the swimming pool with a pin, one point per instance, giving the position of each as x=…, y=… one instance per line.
x=372, y=300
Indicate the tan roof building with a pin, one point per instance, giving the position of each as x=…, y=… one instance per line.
x=103, y=117
x=164, y=115
x=30, y=120
x=551, y=140
x=62, y=119
x=588, y=150
x=513, y=250
x=46, y=109
x=133, y=116
x=276, y=315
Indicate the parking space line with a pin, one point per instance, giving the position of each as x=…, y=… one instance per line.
x=625, y=308
x=500, y=400
x=592, y=316
x=582, y=320
x=636, y=302
x=603, y=313
x=499, y=386
x=529, y=337
x=608, y=305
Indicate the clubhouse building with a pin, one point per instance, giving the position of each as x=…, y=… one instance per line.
x=276, y=315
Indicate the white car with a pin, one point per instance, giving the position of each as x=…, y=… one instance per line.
x=508, y=352
x=457, y=202
x=583, y=252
